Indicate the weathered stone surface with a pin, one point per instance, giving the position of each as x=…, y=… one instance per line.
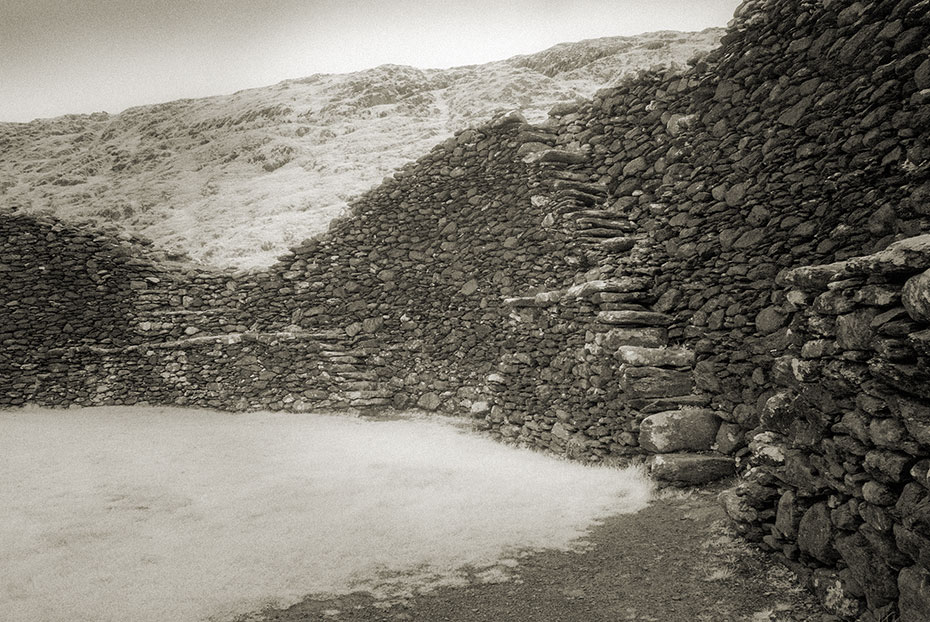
x=854, y=330
x=637, y=382
x=788, y=515
x=644, y=336
x=655, y=357
x=429, y=401
x=815, y=534
x=636, y=165
x=910, y=255
x=690, y=429
x=689, y=469
x=914, y=599
x=586, y=289
x=618, y=244
x=815, y=277
x=634, y=318
x=556, y=155
x=729, y=438
x=869, y=570
x=887, y=466
x=769, y=320
x=916, y=297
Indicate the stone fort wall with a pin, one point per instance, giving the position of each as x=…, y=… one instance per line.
x=620, y=282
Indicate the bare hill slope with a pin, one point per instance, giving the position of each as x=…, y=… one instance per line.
x=236, y=179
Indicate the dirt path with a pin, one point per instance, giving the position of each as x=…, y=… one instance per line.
x=674, y=561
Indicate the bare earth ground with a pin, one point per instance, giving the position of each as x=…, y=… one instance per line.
x=673, y=561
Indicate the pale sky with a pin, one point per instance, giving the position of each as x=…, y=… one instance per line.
x=63, y=56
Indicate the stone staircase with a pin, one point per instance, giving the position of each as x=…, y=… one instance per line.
x=664, y=415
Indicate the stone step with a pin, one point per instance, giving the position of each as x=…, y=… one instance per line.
x=626, y=284
x=570, y=176
x=649, y=406
x=598, y=233
x=541, y=300
x=355, y=374
x=690, y=429
x=606, y=298
x=655, y=357
x=646, y=336
x=598, y=213
x=376, y=401
x=556, y=156
x=344, y=360
x=584, y=186
x=620, y=305
x=368, y=394
x=364, y=385
x=618, y=244
x=587, y=223
x=634, y=318
x=688, y=469
x=639, y=382
x=579, y=197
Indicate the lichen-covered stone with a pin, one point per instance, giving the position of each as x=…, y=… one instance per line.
x=689, y=429
x=914, y=599
x=916, y=297
x=815, y=534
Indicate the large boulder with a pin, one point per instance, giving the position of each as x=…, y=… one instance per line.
x=691, y=429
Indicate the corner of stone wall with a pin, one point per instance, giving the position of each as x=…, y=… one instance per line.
x=836, y=480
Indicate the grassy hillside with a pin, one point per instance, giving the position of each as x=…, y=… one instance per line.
x=236, y=179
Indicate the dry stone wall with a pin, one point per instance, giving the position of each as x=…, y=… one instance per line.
x=800, y=140
x=602, y=286
x=837, y=479
x=398, y=305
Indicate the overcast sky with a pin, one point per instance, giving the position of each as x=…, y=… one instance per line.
x=61, y=56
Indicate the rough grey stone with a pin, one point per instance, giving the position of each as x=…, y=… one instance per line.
x=690, y=469
x=690, y=429
x=815, y=534
x=916, y=297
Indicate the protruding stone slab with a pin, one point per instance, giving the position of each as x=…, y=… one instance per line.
x=690, y=469
x=618, y=245
x=655, y=357
x=634, y=318
x=909, y=255
x=650, y=406
x=630, y=284
x=654, y=382
x=556, y=155
x=813, y=277
x=692, y=429
x=647, y=336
